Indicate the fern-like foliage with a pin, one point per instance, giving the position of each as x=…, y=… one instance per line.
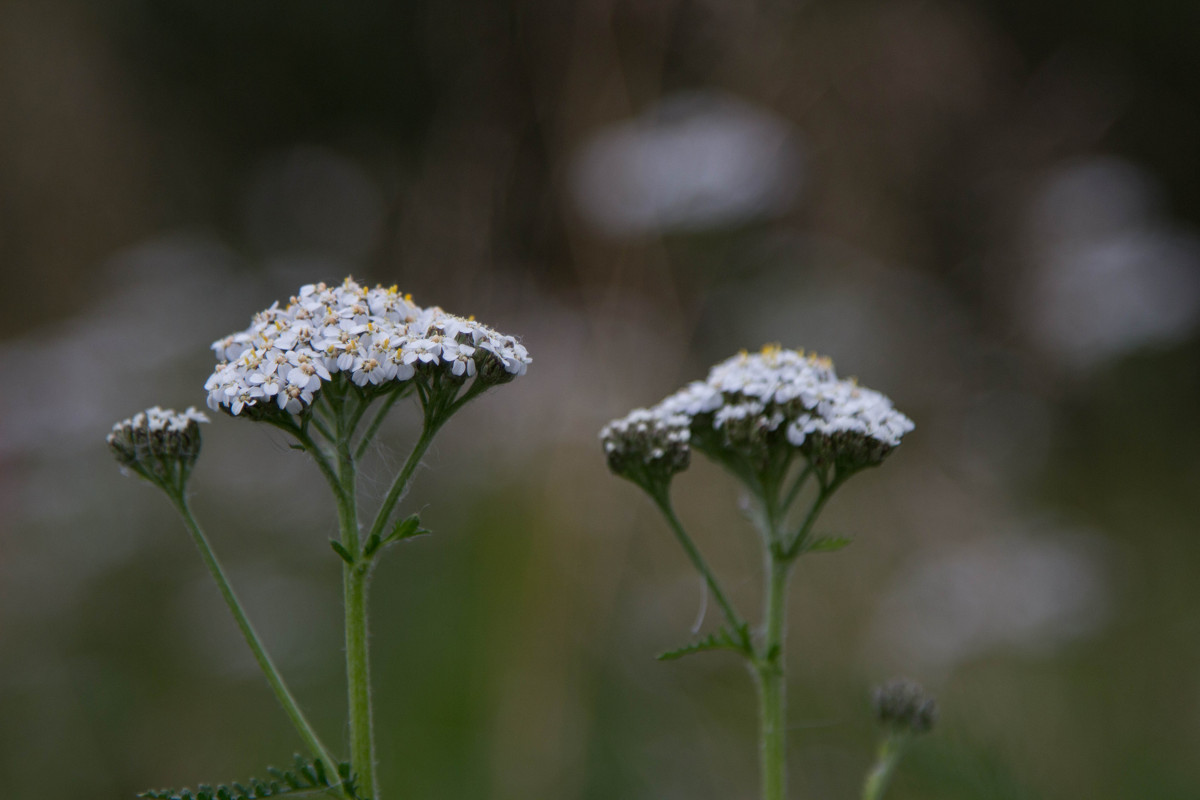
x=723, y=639
x=305, y=777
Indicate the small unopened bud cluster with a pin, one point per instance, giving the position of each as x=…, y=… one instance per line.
x=376, y=339
x=159, y=444
x=754, y=404
x=647, y=446
x=903, y=706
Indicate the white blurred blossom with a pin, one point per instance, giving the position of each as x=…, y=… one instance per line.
x=1029, y=591
x=1111, y=273
x=694, y=161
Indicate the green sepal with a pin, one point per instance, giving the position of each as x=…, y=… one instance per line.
x=306, y=776
x=341, y=551
x=723, y=639
x=825, y=544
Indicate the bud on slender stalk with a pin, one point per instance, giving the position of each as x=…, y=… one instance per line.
x=159, y=444
x=904, y=707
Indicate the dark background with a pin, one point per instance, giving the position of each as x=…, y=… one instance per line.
x=987, y=211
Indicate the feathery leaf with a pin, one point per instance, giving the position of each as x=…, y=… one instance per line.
x=305, y=777
x=722, y=639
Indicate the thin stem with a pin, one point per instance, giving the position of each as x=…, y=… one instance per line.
x=322, y=428
x=401, y=482
x=260, y=654
x=355, y=578
x=478, y=387
x=361, y=404
x=318, y=455
x=827, y=489
x=358, y=678
x=771, y=681
x=373, y=428
x=797, y=485
x=881, y=771
x=664, y=503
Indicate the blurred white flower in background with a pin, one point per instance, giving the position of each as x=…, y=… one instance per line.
x=1111, y=273
x=695, y=160
x=155, y=305
x=1028, y=591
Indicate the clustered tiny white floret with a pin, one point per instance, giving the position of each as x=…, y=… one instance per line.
x=156, y=419
x=747, y=398
x=372, y=336
x=647, y=438
x=160, y=434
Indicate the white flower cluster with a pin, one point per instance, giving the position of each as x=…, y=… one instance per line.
x=756, y=402
x=157, y=437
x=372, y=336
x=647, y=439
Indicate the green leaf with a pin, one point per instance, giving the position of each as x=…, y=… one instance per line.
x=719, y=640
x=305, y=777
x=826, y=544
x=406, y=529
x=341, y=551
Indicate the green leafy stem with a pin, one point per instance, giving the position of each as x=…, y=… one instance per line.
x=776, y=485
x=328, y=431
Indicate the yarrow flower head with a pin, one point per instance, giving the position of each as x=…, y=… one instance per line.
x=647, y=446
x=759, y=405
x=903, y=706
x=159, y=444
x=377, y=339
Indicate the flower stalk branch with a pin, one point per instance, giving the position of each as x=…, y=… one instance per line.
x=269, y=670
x=314, y=368
x=759, y=416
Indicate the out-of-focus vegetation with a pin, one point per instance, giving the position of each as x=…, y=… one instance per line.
x=987, y=211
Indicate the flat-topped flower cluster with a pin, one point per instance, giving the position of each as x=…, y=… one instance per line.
x=756, y=404
x=375, y=338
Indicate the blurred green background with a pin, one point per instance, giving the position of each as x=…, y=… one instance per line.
x=987, y=211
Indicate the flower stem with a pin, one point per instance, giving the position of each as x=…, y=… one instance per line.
x=771, y=681
x=355, y=578
x=731, y=616
x=881, y=771
x=290, y=707
x=401, y=482
x=794, y=547
x=358, y=679
x=373, y=428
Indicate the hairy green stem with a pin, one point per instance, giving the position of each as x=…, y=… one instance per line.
x=401, y=482
x=373, y=428
x=884, y=766
x=796, y=545
x=355, y=578
x=260, y=654
x=797, y=485
x=318, y=455
x=731, y=616
x=358, y=679
x=772, y=687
